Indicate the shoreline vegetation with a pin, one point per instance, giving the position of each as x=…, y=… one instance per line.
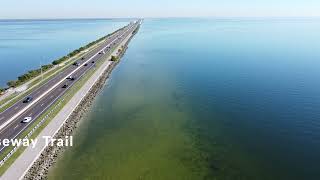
x=11, y=95
x=114, y=58
x=21, y=149
x=40, y=168
x=22, y=79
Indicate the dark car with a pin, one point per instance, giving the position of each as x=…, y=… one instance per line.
x=82, y=58
x=100, y=52
x=92, y=62
x=85, y=64
x=65, y=86
x=76, y=64
x=28, y=99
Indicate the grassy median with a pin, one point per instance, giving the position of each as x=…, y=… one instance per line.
x=63, y=100
x=38, y=81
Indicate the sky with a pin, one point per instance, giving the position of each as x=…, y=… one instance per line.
x=25, y=9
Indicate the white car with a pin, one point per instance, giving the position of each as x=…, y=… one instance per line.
x=27, y=119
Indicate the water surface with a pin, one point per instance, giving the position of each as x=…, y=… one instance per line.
x=206, y=99
x=25, y=44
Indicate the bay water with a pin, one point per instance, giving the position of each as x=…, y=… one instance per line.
x=196, y=99
x=27, y=44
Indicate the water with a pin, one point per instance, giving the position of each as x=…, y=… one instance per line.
x=206, y=99
x=25, y=44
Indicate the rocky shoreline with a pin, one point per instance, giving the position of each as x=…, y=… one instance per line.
x=40, y=168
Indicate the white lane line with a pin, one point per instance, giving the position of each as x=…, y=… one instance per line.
x=16, y=126
x=51, y=97
x=41, y=104
x=34, y=118
x=40, y=113
x=30, y=114
x=53, y=87
x=16, y=108
x=31, y=121
x=49, y=81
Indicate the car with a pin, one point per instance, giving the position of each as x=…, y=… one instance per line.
x=26, y=119
x=85, y=64
x=92, y=62
x=76, y=64
x=65, y=86
x=28, y=99
x=70, y=78
x=100, y=52
x=82, y=58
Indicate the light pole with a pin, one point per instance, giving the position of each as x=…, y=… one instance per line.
x=41, y=71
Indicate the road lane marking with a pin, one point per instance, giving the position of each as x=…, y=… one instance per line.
x=16, y=108
x=54, y=86
x=1, y=130
x=40, y=113
x=45, y=110
x=41, y=104
x=31, y=114
x=16, y=126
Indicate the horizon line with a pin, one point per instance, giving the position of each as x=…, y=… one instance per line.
x=182, y=17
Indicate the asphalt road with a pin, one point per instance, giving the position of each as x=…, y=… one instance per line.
x=44, y=96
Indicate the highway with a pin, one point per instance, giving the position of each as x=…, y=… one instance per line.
x=46, y=95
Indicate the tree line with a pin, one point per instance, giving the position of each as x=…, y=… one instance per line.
x=34, y=73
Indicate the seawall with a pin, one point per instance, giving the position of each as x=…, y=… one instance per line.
x=48, y=157
x=35, y=163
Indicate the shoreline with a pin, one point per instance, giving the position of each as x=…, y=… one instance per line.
x=11, y=95
x=48, y=157
x=12, y=153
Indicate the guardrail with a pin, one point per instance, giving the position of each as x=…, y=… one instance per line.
x=2, y=162
x=30, y=133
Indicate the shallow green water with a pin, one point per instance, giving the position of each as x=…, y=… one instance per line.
x=206, y=99
x=136, y=130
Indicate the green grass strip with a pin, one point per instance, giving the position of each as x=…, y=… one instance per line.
x=53, y=111
x=49, y=75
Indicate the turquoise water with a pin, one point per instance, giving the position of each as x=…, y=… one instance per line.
x=206, y=99
x=191, y=99
x=24, y=44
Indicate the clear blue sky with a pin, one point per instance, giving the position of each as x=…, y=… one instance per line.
x=159, y=8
